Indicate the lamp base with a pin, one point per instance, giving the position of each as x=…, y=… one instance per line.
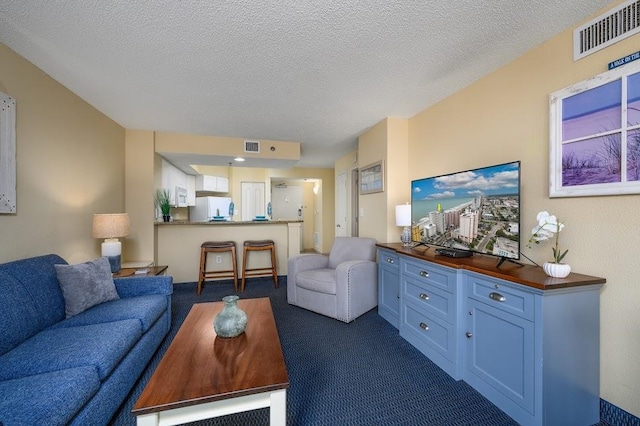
x=405, y=237
x=112, y=250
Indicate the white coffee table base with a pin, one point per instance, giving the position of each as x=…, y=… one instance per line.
x=277, y=400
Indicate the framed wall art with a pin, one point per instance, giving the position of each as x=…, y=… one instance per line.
x=7, y=154
x=372, y=178
x=594, y=141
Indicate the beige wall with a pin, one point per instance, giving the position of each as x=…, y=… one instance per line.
x=70, y=165
x=397, y=172
x=372, y=147
x=387, y=141
x=140, y=174
x=215, y=145
x=505, y=117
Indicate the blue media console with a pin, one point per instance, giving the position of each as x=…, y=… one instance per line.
x=527, y=342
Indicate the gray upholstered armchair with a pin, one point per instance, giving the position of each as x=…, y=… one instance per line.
x=342, y=285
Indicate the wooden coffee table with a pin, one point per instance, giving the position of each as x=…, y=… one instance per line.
x=203, y=376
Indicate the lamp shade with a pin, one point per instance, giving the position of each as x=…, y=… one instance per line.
x=403, y=215
x=114, y=225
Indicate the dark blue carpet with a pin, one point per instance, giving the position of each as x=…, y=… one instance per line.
x=362, y=373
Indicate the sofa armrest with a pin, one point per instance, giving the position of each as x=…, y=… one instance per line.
x=140, y=286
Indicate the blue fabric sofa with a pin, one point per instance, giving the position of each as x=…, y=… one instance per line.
x=77, y=370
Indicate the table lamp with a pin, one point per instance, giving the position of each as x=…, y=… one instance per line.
x=111, y=227
x=403, y=218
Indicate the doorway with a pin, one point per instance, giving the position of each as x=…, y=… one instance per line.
x=299, y=199
x=355, y=204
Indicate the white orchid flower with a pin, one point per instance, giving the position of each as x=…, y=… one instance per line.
x=540, y=234
x=547, y=228
x=549, y=222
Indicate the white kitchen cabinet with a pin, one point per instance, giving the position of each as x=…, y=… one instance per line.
x=191, y=190
x=173, y=177
x=212, y=183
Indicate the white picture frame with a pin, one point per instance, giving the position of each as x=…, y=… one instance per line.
x=594, y=140
x=372, y=178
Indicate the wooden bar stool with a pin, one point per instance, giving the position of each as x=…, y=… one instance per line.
x=217, y=247
x=256, y=245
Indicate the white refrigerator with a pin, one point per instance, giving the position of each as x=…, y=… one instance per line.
x=207, y=208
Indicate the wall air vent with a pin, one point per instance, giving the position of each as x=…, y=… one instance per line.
x=607, y=29
x=251, y=146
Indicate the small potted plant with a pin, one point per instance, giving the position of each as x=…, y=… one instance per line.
x=549, y=227
x=163, y=202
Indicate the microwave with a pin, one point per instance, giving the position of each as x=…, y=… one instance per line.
x=181, y=196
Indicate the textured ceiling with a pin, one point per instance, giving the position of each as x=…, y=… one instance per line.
x=316, y=72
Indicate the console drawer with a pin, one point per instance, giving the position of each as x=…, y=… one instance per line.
x=430, y=298
x=501, y=295
x=436, y=275
x=426, y=331
x=388, y=258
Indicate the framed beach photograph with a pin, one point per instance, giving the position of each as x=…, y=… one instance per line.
x=372, y=178
x=594, y=141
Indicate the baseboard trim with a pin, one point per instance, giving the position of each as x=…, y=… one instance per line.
x=616, y=416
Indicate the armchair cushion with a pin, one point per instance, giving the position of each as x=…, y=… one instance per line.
x=322, y=280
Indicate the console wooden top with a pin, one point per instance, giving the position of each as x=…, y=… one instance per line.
x=529, y=275
x=200, y=367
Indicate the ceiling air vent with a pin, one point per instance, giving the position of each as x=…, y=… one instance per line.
x=608, y=28
x=251, y=146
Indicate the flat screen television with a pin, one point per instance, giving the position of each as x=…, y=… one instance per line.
x=475, y=211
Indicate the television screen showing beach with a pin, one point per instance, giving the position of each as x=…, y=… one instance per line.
x=476, y=210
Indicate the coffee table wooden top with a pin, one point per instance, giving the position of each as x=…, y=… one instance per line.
x=200, y=367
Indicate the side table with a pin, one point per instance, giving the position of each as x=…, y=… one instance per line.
x=140, y=272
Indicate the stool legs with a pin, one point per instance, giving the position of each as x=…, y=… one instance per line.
x=230, y=273
x=273, y=270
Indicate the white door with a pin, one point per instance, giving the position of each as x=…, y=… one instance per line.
x=286, y=202
x=253, y=201
x=341, y=208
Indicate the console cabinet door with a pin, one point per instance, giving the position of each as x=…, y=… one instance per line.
x=389, y=287
x=500, y=353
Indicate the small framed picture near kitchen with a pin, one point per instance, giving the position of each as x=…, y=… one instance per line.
x=594, y=141
x=7, y=154
x=372, y=178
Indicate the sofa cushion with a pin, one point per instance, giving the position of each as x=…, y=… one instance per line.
x=85, y=285
x=146, y=309
x=19, y=319
x=98, y=345
x=47, y=399
x=321, y=280
x=38, y=276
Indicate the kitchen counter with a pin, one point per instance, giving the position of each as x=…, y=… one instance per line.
x=178, y=244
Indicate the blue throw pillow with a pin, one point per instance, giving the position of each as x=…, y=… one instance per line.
x=85, y=285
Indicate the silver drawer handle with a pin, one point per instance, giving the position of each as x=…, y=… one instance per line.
x=424, y=274
x=469, y=334
x=424, y=326
x=424, y=296
x=497, y=297
x=389, y=260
